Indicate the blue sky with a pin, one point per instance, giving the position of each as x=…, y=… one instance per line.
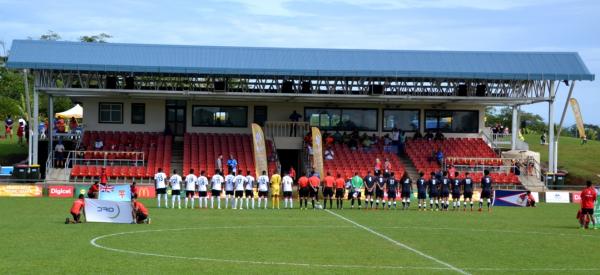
x=505, y=25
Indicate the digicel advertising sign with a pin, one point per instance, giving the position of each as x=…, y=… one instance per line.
x=60, y=191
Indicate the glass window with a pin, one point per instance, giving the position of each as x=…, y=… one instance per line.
x=138, y=113
x=342, y=119
x=110, y=112
x=214, y=116
x=405, y=120
x=452, y=121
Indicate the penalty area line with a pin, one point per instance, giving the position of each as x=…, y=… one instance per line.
x=397, y=243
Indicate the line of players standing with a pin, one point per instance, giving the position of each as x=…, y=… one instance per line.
x=239, y=189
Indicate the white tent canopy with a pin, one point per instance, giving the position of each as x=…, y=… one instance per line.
x=76, y=112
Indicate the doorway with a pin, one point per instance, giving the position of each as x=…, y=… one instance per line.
x=260, y=115
x=289, y=158
x=176, y=116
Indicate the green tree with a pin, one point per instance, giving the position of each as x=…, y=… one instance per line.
x=99, y=38
x=50, y=35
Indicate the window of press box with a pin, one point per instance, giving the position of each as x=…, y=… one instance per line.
x=215, y=116
x=110, y=112
x=342, y=119
x=405, y=120
x=138, y=113
x=451, y=121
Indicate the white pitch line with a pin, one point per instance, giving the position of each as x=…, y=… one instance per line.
x=399, y=243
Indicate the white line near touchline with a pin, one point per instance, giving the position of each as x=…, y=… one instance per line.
x=399, y=243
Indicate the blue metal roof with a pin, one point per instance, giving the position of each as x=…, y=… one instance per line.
x=60, y=55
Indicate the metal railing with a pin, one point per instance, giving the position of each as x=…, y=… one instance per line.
x=286, y=128
x=79, y=157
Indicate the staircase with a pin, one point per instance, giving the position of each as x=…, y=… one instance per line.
x=57, y=175
x=532, y=183
x=177, y=157
x=409, y=168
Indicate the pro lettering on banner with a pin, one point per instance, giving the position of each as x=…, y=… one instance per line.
x=61, y=191
x=108, y=211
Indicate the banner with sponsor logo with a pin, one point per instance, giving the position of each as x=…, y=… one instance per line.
x=108, y=211
x=317, y=148
x=81, y=189
x=20, y=190
x=60, y=191
x=114, y=193
x=260, y=150
x=557, y=197
x=578, y=117
x=510, y=198
x=576, y=197
x=146, y=191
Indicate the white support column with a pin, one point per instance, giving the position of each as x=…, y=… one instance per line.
x=515, y=126
x=560, y=125
x=551, y=164
x=50, y=135
x=28, y=117
x=33, y=127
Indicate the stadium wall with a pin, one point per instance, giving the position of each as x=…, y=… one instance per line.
x=155, y=114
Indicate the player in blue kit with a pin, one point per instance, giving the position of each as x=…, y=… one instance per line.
x=456, y=192
x=467, y=185
x=421, y=191
x=444, y=190
x=406, y=191
x=434, y=192
x=486, y=190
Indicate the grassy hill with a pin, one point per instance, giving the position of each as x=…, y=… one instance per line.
x=581, y=161
x=10, y=151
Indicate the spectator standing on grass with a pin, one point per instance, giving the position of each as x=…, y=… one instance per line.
x=8, y=124
x=588, y=199
x=543, y=139
x=20, y=132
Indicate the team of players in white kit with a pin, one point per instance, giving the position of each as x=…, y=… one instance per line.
x=237, y=187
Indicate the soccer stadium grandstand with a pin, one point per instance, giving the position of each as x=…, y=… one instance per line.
x=179, y=107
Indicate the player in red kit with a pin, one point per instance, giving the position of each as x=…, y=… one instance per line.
x=588, y=198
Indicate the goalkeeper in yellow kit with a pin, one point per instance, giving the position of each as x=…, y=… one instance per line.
x=275, y=189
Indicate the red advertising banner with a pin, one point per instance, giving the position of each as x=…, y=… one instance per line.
x=146, y=191
x=60, y=191
x=576, y=197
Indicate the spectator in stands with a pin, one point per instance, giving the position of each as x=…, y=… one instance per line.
x=232, y=164
x=309, y=149
x=378, y=166
x=402, y=142
x=451, y=171
x=294, y=118
x=103, y=176
x=387, y=165
x=417, y=135
x=61, y=126
x=429, y=136
x=8, y=124
x=337, y=137
x=366, y=144
x=439, y=135
x=374, y=140
x=219, y=163
x=329, y=153
x=353, y=144
x=59, y=154
x=395, y=136
x=439, y=157
x=42, y=130
x=98, y=144
x=308, y=137
x=73, y=125
x=543, y=139
x=329, y=140
x=292, y=172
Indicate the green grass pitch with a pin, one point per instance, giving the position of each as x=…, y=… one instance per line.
x=538, y=240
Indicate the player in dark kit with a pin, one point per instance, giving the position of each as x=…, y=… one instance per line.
x=422, y=191
x=392, y=188
x=445, y=190
x=379, y=187
x=406, y=191
x=486, y=190
x=434, y=192
x=455, y=192
x=369, y=189
x=467, y=185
